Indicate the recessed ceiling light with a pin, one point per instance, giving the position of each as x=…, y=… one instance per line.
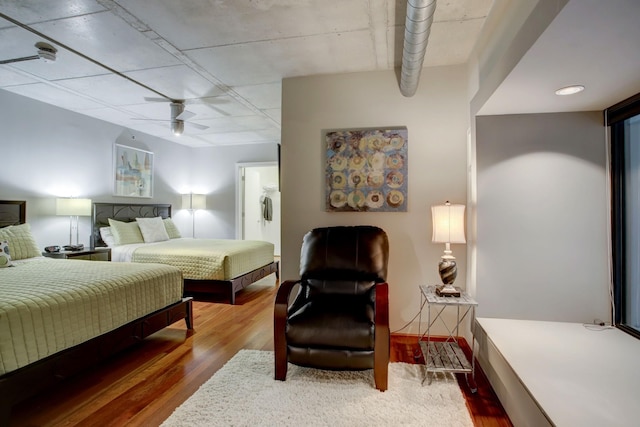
x=570, y=90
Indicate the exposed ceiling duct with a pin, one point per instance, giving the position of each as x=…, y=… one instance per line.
x=416, y=36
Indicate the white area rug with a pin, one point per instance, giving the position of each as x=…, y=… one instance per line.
x=244, y=393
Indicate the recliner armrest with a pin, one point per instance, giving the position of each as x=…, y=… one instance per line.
x=382, y=336
x=280, y=310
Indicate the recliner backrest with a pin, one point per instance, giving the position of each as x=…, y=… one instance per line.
x=344, y=259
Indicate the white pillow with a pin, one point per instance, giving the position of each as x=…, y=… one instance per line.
x=107, y=236
x=5, y=257
x=152, y=229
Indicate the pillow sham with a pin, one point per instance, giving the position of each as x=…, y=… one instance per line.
x=107, y=236
x=152, y=229
x=125, y=233
x=23, y=245
x=5, y=257
x=172, y=230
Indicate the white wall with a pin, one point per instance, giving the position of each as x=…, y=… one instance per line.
x=542, y=217
x=215, y=176
x=48, y=152
x=437, y=121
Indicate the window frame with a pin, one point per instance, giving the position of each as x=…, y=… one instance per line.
x=616, y=116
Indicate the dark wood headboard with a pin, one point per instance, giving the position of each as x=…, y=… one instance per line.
x=12, y=212
x=125, y=212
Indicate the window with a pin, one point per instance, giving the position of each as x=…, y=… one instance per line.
x=624, y=119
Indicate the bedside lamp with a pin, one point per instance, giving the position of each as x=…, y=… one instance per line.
x=193, y=202
x=73, y=208
x=448, y=227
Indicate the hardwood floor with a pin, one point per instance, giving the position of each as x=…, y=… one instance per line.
x=142, y=386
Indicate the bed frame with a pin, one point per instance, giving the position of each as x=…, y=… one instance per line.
x=30, y=380
x=101, y=212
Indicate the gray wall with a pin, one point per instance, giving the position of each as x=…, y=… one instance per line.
x=542, y=217
x=437, y=121
x=48, y=152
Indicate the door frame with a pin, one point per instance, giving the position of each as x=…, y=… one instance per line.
x=240, y=192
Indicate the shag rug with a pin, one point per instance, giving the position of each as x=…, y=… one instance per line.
x=244, y=393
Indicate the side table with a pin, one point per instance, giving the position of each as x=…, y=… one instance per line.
x=95, y=254
x=446, y=355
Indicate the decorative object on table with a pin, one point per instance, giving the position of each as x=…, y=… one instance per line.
x=366, y=170
x=193, y=202
x=73, y=208
x=133, y=172
x=448, y=227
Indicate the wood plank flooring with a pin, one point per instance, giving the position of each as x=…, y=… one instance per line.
x=142, y=386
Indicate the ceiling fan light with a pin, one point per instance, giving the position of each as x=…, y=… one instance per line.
x=177, y=127
x=46, y=52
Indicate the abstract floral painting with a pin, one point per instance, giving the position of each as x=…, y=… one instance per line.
x=366, y=170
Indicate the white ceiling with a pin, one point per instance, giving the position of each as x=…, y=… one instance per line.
x=226, y=58
x=593, y=43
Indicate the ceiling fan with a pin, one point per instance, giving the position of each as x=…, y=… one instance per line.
x=179, y=116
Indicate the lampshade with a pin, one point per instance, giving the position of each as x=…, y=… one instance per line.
x=194, y=201
x=448, y=223
x=73, y=207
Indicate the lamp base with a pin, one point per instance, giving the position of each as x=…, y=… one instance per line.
x=447, y=291
x=448, y=270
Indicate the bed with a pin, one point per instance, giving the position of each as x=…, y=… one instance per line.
x=58, y=317
x=209, y=266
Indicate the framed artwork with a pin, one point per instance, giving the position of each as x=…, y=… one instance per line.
x=133, y=172
x=366, y=170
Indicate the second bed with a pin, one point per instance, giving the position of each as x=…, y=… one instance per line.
x=208, y=265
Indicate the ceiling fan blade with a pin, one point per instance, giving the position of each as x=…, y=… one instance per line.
x=197, y=125
x=151, y=99
x=150, y=120
x=185, y=115
x=207, y=100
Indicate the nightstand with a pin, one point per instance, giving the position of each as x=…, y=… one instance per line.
x=446, y=355
x=95, y=254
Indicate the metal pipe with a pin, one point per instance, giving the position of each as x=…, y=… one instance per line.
x=416, y=36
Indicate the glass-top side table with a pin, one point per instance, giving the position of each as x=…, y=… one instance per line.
x=446, y=355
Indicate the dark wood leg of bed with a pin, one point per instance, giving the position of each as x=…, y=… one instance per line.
x=5, y=413
x=232, y=295
x=188, y=319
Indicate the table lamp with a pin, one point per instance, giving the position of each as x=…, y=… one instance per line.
x=73, y=208
x=448, y=227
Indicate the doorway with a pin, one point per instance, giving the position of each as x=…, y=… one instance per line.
x=258, y=203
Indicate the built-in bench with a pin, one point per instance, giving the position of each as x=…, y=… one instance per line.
x=562, y=374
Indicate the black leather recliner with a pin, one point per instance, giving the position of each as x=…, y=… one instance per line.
x=339, y=318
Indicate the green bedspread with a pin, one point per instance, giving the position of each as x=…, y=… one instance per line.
x=48, y=305
x=208, y=259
